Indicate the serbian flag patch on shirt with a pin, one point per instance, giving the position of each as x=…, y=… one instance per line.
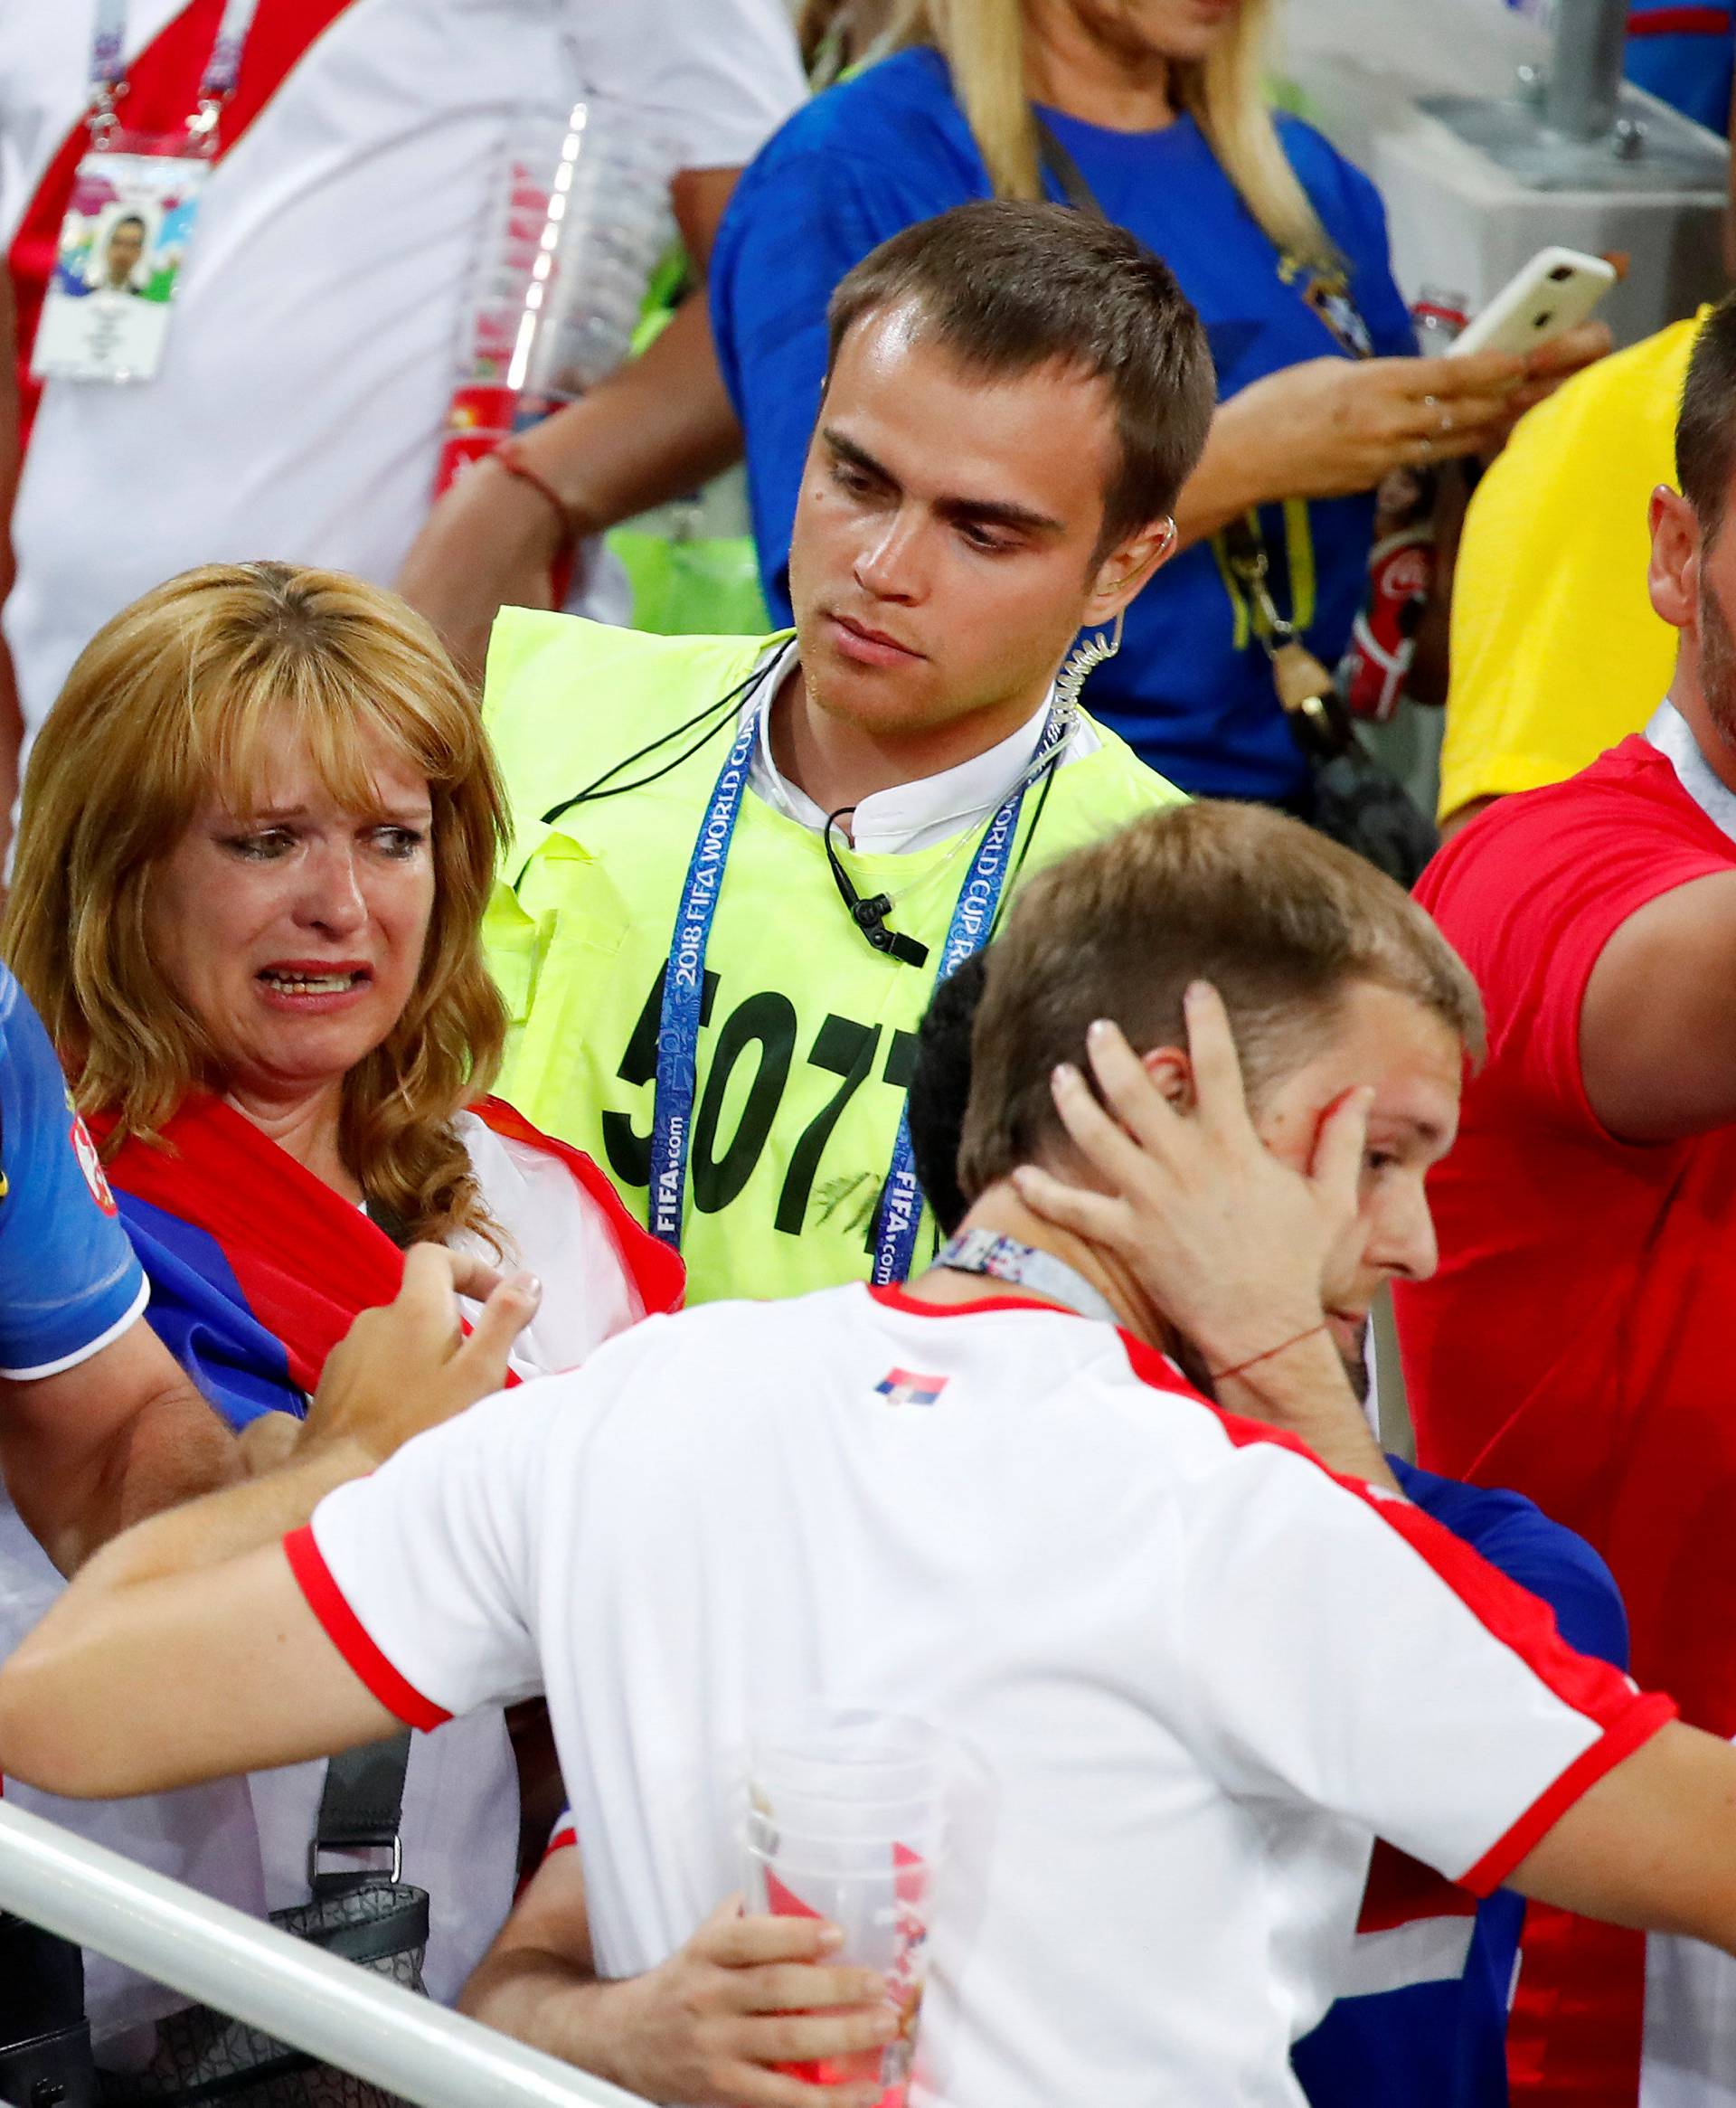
x=905, y=1387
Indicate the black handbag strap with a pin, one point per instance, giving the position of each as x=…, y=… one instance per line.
x=360, y=1808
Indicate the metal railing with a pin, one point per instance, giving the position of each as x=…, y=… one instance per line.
x=339, y=2013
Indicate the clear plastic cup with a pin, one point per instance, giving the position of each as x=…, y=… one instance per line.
x=857, y=1854
x=836, y=1817
x=849, y=1752
x=880, y=1896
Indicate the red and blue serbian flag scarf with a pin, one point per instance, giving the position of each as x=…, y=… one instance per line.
x=257, y=1269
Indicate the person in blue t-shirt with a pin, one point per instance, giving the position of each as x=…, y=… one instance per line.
x=1686, y=55
x=1426, y=2024
x=1278, y=241
x=97, y=1424
x=1428, y=2028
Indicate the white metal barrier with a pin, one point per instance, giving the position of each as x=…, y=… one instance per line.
x=336, y=2011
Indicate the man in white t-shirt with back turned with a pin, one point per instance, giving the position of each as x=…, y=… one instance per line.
x=1195, y=1672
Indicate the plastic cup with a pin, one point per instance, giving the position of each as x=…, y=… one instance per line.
x=834, y=1817
x=848, y=1753
x=851, y=1854
x=879, y=1893
x=847, y=1821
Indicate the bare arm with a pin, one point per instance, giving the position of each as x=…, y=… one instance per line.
x=103, y=1445
x=189, y=1632
x=1652, y=1844
x=143, y=1677
x=1329, y=426
x=1462, y=816
x=660, y=426
x=1305, y=1392
x=1657, y=1028
x=704, y=2025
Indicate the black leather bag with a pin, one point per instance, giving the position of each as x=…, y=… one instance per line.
x=1360, y=803
x=1355, y=799
x=44, y=2040
x=376, y=1921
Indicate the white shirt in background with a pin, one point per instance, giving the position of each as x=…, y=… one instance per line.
x=318, y=320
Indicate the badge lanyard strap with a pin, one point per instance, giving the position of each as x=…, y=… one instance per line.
x=973, y=918
x=683, y=987
x=683, y=990
x=222, y=68
x=998, y=1258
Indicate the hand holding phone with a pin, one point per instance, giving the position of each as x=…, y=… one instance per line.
x=1551, y=295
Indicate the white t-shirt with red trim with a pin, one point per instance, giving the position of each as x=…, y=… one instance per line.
x=1193, y=1674
x=318, y=316
x=245, y=1841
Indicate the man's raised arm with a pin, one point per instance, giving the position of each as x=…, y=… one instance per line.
x=213, y=1678
x=1658, y=1029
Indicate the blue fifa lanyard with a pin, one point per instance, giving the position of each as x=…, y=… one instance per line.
x=979, y=899
x=684, y=988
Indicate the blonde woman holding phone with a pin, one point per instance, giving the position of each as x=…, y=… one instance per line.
x=1155, y=113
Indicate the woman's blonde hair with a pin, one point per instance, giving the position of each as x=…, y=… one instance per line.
x=186, y=694
x=983, y=42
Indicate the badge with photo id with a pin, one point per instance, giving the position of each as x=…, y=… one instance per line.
x=111, y=292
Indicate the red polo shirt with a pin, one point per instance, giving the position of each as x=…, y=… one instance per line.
x=1579, y=1342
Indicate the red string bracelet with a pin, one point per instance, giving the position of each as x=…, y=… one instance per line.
x=514, y=464
x=1254, y=1360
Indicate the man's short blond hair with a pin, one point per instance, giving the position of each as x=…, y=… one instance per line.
x=1281, y=921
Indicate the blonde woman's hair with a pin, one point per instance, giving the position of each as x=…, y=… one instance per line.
x=187, y=695
x=983, y=42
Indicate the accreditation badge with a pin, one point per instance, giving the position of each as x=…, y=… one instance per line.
x=111, y=292
x=1329, y=297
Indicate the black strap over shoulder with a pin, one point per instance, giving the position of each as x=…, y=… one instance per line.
x=1059, y=163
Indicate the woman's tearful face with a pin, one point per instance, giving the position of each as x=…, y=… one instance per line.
x=294, y=931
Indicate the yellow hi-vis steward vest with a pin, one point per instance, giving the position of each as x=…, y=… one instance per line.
x=808, y=1036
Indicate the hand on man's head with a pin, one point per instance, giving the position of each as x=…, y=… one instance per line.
x=1239, y=1251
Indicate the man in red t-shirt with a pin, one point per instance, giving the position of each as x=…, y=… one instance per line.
x=1577, y=1342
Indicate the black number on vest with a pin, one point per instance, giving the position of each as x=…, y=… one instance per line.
x=901, y=1062
x=627, y=1151
x=847, y=1050
x=843, y=1047
x=769, y=1021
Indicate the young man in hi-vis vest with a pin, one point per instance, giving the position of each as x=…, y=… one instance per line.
x=740, y=864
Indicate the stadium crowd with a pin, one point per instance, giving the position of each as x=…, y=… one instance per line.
x=617, y=1140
